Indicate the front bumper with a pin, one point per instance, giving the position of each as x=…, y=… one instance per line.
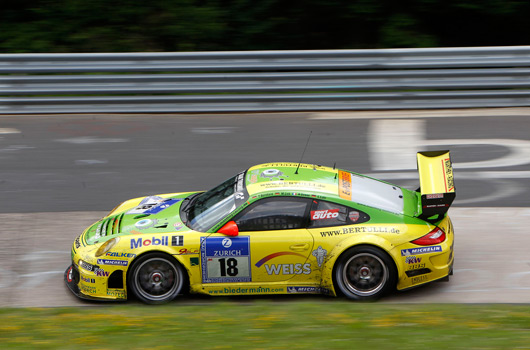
x=85, y=287
x=71, y=278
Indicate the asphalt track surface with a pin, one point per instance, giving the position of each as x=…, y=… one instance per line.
x=58, y=174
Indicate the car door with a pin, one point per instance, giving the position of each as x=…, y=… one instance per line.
x=273, y=244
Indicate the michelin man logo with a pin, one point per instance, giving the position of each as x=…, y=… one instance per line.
x=320, y=253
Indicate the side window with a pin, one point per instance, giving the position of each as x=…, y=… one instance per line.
x=325, y=214
x=276, y=213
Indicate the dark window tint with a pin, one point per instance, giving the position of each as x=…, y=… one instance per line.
x=278, y=213
x=326, y=214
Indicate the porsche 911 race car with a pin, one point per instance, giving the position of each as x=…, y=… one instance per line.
x=275, y=228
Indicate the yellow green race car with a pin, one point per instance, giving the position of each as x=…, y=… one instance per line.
x=276, y=228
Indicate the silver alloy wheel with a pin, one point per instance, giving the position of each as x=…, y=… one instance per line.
x=157, y=279
x=364, y=274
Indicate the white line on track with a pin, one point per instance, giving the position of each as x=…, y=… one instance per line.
x=4, y=131
x=410, y=114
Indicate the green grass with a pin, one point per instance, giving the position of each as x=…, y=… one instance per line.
x=267, y=324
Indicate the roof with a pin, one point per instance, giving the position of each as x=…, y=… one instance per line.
x=315, y=179
x=283, y=176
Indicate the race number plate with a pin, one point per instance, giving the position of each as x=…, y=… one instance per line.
x=225, y=259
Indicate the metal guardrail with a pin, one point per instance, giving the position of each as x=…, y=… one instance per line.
x=265, y=80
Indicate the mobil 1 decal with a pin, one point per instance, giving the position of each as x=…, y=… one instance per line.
x=225, y=259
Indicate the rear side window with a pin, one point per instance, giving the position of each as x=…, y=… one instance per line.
x=326, y=214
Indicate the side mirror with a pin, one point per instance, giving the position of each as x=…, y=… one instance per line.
x=229, y=229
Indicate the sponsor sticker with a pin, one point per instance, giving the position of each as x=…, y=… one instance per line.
x=87, y=289
x=354, y=216
x=304, y=290
x=324, y=214
x=102, y=273
x=118, y=293
x=243, y=290
x=161, y=206
x=225, y=259
x=422, y=250
x=87, y=280
x=448, y=173
x=145, y=223
x=113, y=262
x=411, y=259
x=144, y=242
x=271, y=174
x=419, y=279
x=344, y=185
x=320, y=254
x=186, y=251
x=288, y=269
x=120, y=255
x=177, y=241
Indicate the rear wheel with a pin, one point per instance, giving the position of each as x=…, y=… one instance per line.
x=156, y=278
x=364, y=273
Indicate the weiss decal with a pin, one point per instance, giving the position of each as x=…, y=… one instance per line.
x=288, y=269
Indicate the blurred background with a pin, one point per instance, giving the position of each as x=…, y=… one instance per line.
x=212, y=25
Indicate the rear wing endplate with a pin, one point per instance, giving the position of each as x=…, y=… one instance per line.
x=437, y=185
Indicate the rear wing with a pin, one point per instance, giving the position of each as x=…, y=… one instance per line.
x=437, y=185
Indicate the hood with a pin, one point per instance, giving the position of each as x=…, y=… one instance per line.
x=153, y=214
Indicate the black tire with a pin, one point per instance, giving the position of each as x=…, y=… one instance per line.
x=364, y=273
x=156, y=278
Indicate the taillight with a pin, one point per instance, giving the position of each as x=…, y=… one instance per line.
x=434, y=237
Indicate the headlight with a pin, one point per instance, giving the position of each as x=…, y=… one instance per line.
x=105, y=247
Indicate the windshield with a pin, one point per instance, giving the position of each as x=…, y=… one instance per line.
x=212, y=206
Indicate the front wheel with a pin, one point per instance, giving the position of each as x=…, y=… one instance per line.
x=364, y=273
x=156, y=278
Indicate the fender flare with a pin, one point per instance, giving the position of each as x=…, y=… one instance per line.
x=341, y=247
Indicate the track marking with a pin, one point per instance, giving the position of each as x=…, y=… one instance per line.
x=213, y=130
x=85, y=140
x=392, y=141
x=90, y=161
x=386, y=145
x=412, y=114
x=4, y=131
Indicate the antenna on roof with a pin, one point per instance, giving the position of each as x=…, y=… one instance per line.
x=302, y=157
